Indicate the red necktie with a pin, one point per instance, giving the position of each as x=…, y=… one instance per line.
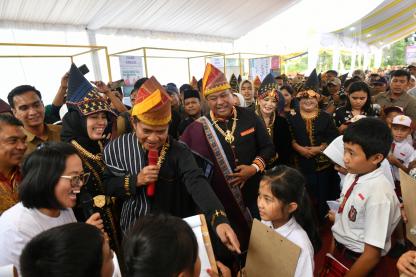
x=347, y=195
x=393, y=145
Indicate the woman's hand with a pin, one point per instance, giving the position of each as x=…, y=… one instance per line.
x=95, y=220
x=343, y=127
x=307, y=152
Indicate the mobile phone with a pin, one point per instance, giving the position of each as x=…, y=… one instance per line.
x=116, y=84
x=83, y=69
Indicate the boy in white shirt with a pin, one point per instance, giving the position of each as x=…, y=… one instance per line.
x=369, y=209
x=400, y=156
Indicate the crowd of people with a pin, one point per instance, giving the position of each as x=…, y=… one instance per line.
x=100, y=190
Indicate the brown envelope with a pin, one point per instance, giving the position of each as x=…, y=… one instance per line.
x=270, y=254
x=408, y=186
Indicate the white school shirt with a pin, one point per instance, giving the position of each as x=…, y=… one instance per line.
x=405, y=153
x=370, y=214
x=18, y=225
x=295, y=233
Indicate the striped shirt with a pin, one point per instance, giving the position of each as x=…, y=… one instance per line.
x=125, y=156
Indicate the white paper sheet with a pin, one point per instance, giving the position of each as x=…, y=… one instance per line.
x=333, y=205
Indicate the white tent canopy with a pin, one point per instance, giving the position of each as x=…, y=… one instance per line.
x=267, y=26
x=228, y=19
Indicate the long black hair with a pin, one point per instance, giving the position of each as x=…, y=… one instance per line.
x=288, y=185
x=159, y=246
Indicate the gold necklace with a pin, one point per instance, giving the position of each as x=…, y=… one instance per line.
x=269, y=127
x=228, y=134
x=309, y=115
x=96, y=157
x=163, y=152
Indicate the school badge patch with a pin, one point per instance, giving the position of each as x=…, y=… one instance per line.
x=352, y=214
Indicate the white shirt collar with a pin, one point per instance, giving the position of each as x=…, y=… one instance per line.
x=287, y=228
x=373, y=174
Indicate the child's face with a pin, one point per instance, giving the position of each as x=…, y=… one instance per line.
x=355, y=160
x=389, y=118
x=270, y=208
x=400, y=132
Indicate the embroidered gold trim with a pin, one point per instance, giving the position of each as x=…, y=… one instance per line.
x=216, y=215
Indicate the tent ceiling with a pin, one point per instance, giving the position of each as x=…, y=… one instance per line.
x=230, y=19
x=392, y=20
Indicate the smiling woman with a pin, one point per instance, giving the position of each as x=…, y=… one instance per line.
x=87, y=126
x=46, y=198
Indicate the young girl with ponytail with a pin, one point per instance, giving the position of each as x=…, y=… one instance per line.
x=284, y=206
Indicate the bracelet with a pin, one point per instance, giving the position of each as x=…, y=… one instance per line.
x=126, y=184
x=217, y=214
x=256, y=166
x=260, y=163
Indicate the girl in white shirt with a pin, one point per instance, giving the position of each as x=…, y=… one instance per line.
x=284, y=206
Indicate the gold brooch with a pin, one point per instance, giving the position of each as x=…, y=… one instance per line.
x=99, y=201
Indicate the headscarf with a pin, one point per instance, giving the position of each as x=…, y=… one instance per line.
x=74, y=127
x=241, y=99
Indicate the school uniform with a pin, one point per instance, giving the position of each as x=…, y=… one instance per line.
x=405, y=153
x=295, y=233
x=370, y=214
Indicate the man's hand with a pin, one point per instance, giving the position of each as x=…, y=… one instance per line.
x=242, y=174
x=64, y=81
x=228, y=237
x=407, y=263
x=101, y=87
x=95, y=220
x=148, y=174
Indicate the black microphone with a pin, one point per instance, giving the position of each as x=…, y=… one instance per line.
x=87, y=206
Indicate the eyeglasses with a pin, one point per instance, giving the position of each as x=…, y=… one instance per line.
x=76, y=180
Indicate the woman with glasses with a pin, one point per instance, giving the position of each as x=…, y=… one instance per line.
x=52, y=178
x=87, y=127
